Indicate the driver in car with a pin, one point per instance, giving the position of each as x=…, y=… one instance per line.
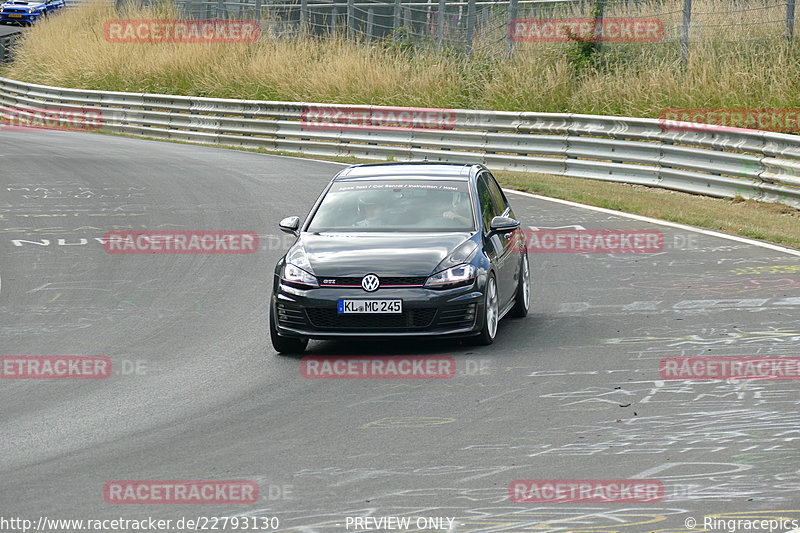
x=368, y=210
x=461, y=210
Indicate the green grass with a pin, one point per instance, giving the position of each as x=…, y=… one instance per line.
x=772, y=222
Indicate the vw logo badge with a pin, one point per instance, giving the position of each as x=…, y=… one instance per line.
x=370, y=283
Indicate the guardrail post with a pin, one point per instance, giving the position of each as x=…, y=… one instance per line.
x=687, y=20
x=513, y=7
x=7, y=44
x=599, y=13
x=441, y=16
x=258, y=10
x=471, y=15
x=370, y=23
x=221, y=9
x=397, y=14
x=303, y=16
x=790, y=20
x=334, y=20
x=351, y=21
x=428, y=28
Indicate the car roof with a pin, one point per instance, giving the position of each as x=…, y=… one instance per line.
x=421, y=170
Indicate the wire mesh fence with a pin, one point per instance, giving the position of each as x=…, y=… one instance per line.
x=672, y=27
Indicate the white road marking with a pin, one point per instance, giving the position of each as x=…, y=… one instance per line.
x=641, y=218
x=573, y=226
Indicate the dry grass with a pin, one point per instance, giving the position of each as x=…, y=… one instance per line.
x=634, y=80
x=771, y=222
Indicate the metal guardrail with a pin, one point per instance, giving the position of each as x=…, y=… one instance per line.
x=751, y=164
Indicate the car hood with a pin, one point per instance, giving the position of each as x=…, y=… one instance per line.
x=384, y=254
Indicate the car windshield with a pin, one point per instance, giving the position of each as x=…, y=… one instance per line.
x=395, y=205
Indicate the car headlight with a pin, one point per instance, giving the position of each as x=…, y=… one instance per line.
x=294, y=275
x=457, y=276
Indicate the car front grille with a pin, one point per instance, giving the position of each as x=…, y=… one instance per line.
x=413, y=319
x=409, y=319
x=355, y=282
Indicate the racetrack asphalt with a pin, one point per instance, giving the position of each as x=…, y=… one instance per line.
x=8, y=29
x=572, y=392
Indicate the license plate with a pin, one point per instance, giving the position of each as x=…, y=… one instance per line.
x=370, y=306
x=15, y=16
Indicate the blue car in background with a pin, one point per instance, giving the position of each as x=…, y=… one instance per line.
x=27, y=12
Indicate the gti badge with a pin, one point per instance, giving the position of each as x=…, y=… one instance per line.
x=370, y=283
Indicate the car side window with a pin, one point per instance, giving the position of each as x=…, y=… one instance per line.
x=497, y=194
x=488, y=208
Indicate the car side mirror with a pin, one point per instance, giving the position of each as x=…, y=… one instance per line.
x=290, y=225
x=503, y=225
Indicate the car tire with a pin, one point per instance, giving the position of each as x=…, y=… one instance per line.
x=522, y=301
x=491, y=313
x=284, y=345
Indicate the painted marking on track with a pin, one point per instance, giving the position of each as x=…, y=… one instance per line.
x=408, y=422
x=499, y=395
x=723, y=337
x=772, y=269
x=91, y=285
x=574, y=226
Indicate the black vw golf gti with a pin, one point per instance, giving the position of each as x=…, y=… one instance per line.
x=401, y=250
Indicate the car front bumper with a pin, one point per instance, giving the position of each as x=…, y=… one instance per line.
x=23, y=17
x=313, y=313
